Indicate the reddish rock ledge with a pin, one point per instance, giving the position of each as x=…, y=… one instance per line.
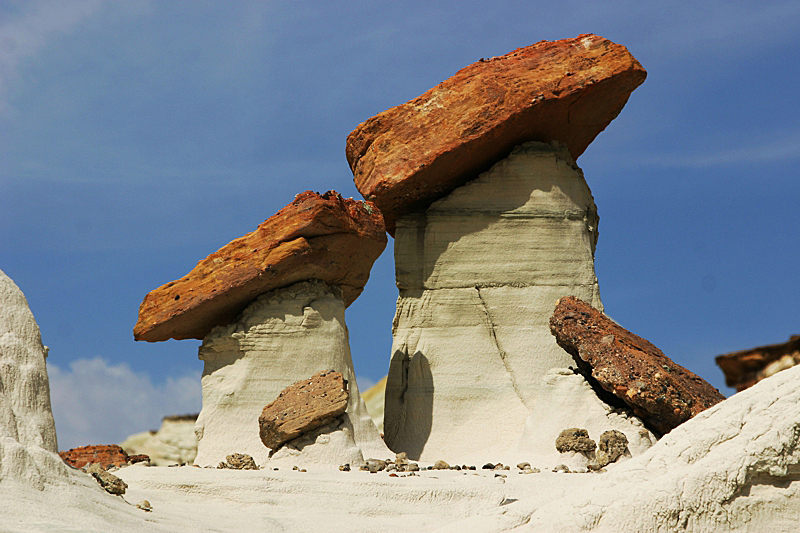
x=745, y=368
x=660, y=391
x=569, y=90
x=106, y=455
x=324, y=237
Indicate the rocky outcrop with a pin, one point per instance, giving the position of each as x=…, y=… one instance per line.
x=283, y=337
x=323, y=237
x=28, y=443
x=478, y=272
x=660, y=391
x=569, y=91
x=745, y=368
x=105, y=455
x=173, y=443
x=303, y=406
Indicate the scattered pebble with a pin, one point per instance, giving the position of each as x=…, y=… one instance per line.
x=561, y=468
x=144, y=505
x=440, y=465
x=345, y=467
x=523, y=466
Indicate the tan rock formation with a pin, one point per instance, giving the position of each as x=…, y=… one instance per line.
x=303, y=406
x=173, y=443
x=322, y=237
x=659, y=390
x=106, y=455
x=569, y=91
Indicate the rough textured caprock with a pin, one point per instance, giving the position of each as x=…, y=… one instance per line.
x=303, y=406
x=323, y=237
x=660, y=391
x=569, y=90
x=106, y=455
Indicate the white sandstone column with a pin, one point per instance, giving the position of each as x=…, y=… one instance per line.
x=479, y=274
x=286, y=335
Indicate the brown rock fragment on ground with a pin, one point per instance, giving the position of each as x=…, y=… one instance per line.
x=303, y=406
x=568, y=90
x=106, y=455
x=110, y=483
x=239, y=461
x=660, y=391
x=323, y=237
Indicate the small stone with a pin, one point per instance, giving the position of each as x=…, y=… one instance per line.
x=144, y=505
x=561, y=468
x=110, y=483
x=375, y=465
x=523, y=466
x=139, y=458
x=440, y=465
x=613, y=444
x=575, y=440
x=393, y=475
x=302, y=469
x=499, y=466
x=499, y=475
x=345, y=467
x=241, y=461
x=488, y=466
x=412, y=467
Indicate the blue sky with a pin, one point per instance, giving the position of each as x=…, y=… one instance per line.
x=137, y=137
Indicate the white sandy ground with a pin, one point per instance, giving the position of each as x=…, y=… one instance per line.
x=734, y=467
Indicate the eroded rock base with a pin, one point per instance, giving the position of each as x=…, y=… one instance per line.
x=285, y=336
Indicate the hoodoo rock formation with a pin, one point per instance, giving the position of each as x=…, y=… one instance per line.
x=478, y=272
x=324, y=237
x=745, y=368
x=660, y=391
x=283, y=337
x=173, y=443
x=568, y=91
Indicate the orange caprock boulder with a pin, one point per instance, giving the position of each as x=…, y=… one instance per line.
x=569, y=90
x=324, y=237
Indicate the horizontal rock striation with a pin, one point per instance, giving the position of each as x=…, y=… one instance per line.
x=323, y=237
x=569, y=91
x=478, y=272
x=663, y=393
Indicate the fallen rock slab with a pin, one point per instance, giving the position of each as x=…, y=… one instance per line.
x=303, y=406
x=660, y=391
x=324, y=237
x=569, y=91
x=105, y=455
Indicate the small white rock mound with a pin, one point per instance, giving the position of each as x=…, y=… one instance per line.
x=285, y=336
x=28, y=443
x=175, y=442
x=733, y=467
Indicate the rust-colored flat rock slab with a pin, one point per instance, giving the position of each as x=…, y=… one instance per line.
x=106, y=455
x=303, y=406
x=569, y=90
x=661, y=392
x=323, y=237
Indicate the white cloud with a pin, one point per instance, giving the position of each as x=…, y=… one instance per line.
x=95, y=402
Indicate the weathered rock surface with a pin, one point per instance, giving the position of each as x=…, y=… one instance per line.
x=173, y=443
x=283, y=337
x=478, y=272
x=28, y=443
x=110, y=483
x=303, y=406
x=660, y=391
x=105, y=455
x=239, y=461
x=745, y=368
x=575, y=440
x=323, y=237
x=611, y=445
x=569, y=91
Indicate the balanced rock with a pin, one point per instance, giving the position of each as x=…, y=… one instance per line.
x=417, y=152
x=303, y=406
x=478, y=272
x=105, y=455
x=660, y=391
x=323, y=237
x=283, y=337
